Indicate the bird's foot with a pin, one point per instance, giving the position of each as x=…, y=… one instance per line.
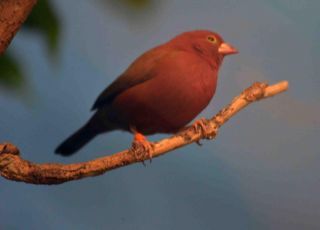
x=141, y=148
x=201, y=126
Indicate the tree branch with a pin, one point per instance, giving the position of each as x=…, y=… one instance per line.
x=13, y=167
x=12, y=14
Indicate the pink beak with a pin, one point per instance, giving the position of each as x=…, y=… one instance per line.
x=227, y=49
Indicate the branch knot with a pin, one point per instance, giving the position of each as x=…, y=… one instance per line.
x=8, y=148
x=255, y=92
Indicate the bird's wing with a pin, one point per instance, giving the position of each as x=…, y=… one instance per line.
x=138, y=72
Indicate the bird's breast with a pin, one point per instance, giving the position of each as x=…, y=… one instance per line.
x=170, y=100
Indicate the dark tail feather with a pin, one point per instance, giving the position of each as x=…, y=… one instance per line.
x=80, y=138
x=75, y=142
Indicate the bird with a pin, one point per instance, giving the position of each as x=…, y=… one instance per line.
x=162, y=91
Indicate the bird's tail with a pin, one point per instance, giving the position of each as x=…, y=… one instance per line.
x=81, y=137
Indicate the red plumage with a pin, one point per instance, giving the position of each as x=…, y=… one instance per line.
x=161, y=91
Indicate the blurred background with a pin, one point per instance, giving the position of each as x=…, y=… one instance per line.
x=262, y=171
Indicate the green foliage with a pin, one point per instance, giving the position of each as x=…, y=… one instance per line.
x=10, y=73
x=44, y=20
x=137, y=3
x=130, y=5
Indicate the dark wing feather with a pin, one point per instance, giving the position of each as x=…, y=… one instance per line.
x=138, y=72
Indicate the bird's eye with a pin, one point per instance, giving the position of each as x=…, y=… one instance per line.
x=211, y=39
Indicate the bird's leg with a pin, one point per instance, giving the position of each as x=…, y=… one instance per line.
x=201, y=126
x=141, y=146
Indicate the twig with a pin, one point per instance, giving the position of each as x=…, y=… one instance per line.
x=13, y=167
x=12, y=14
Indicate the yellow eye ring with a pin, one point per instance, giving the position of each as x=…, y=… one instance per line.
x=211, y=39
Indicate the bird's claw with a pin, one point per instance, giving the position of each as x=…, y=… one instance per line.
x=198, y=143
x=141, y=147
x=201, y=126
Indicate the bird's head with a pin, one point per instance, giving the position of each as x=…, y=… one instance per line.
x=206, y=43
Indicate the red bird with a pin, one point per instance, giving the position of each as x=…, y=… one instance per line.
x=160, y=92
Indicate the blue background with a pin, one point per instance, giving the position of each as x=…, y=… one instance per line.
x=262, y=171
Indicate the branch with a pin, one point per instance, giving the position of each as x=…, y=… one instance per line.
x=12, y=14
x=13, y=167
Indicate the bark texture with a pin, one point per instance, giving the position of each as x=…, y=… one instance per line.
x=12, y=15
x=13, y=167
